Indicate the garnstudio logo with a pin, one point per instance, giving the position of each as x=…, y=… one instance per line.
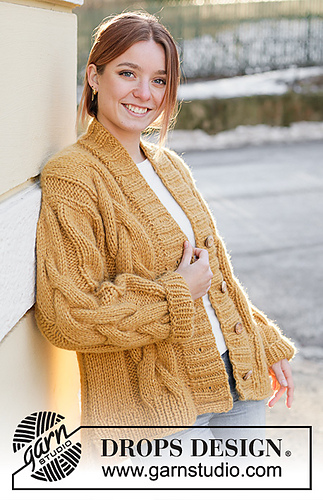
x=46, y=446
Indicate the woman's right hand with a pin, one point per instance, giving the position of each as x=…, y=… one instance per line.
x=197, y=275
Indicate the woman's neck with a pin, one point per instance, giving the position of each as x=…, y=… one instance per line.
x=130, y=141
x=136, y=154
x=132, y=145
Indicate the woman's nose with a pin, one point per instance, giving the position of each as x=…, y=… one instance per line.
x=142, y=90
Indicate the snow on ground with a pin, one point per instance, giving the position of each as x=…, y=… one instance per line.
x=192, y=140
x=268, y=83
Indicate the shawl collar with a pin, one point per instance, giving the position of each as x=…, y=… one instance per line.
x=117, y=160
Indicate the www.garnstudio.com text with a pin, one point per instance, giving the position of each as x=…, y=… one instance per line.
x=154, y=472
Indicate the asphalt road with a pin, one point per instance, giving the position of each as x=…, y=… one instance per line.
x=268, y=204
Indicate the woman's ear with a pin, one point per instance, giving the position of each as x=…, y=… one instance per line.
x=92, y=76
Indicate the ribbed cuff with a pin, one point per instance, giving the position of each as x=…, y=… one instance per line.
x=180, y=306
x=280, y=349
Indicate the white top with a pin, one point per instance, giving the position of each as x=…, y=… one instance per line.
x=182, y=220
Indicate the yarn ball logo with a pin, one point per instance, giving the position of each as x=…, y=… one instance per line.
x=47, y=446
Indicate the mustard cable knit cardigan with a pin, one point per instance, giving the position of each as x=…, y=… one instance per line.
x=107, y=250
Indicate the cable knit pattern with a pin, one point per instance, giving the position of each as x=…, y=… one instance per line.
x=107, y=251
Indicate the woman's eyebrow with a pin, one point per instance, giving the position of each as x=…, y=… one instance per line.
x=136, y=66
x=131, y=65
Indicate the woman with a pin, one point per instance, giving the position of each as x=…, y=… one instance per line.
x=131, y=272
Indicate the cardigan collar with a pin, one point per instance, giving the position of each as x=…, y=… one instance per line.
x=102, y=144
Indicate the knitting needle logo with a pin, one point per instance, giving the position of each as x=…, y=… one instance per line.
x=46, y=446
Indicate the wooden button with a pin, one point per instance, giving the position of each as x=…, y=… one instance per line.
x=223, y=286
x=238, y=328
x=209, y=241
x=247, y=375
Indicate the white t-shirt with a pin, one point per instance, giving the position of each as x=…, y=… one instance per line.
x=180, y=217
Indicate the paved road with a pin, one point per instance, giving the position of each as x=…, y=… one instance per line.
x=268, y=204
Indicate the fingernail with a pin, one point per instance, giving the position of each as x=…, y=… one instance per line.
x=185, y=244
x=284, y=383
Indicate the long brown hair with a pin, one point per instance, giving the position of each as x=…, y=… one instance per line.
x=116, y=35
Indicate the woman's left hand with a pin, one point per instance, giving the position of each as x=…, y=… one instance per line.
x=282, y=380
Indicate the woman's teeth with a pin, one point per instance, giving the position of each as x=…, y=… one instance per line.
x=135, y=109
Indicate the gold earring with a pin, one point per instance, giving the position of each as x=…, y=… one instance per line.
x=94, y=92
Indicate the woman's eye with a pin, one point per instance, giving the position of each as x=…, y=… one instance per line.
x=126, y=73
x=160, y=81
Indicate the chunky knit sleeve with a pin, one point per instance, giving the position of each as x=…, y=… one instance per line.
x=79, y=306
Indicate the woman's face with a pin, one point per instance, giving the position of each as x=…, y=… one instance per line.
x=131, y=90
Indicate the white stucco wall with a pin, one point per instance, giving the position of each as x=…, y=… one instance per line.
x=18, y=219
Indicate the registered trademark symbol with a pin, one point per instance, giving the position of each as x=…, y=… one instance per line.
x=288, y=453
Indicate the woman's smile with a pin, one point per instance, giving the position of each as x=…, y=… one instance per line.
x=136, y=110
